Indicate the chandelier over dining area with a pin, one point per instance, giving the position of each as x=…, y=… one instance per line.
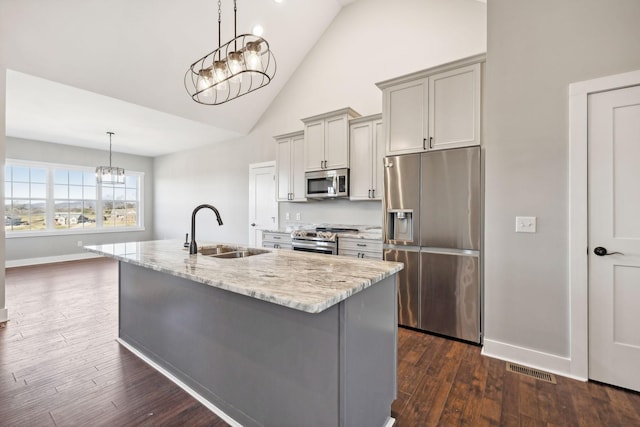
x=236, y=68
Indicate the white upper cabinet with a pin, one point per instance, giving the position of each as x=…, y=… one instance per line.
x=326, y=140
x=454, y=108
x=290, y=166
x=366, y=141
x=434, y=109
x=406, y=108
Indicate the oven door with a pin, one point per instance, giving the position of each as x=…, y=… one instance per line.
x=317, y=247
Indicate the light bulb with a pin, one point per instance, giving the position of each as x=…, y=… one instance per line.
x=252, y=56
x=235, y=66
x=220, y=74
x=204, y=82
x=257, y=30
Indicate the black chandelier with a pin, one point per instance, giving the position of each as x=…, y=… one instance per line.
x=235, y=68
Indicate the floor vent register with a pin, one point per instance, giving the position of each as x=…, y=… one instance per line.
x=530, y=372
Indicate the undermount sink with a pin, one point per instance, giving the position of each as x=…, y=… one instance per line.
x=226, y=252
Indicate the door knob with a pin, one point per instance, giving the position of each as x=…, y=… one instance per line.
x=600, y=251
x=253, y=224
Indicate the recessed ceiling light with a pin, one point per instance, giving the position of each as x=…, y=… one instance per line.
x=278, y=1
x=257, y=30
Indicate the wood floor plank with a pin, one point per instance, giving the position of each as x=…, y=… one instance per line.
x=60, y=363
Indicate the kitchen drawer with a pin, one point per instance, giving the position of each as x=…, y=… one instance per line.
x=276, y=245
x=360, y=245
x=272, y=239
x=360, y=254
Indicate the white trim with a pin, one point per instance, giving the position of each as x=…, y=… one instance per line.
x=180, y=384
x=49, y=259
x=71, y=232
x=528, y=357
x=578, y=211
x=4, y=315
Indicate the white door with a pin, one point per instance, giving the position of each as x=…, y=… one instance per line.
x=614, y=229
x=263, y=208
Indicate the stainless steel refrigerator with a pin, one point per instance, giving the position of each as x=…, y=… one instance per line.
x=432, y=224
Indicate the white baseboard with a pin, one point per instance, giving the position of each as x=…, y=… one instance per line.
x=182, y=385
x=49, y=259
x=528, y=357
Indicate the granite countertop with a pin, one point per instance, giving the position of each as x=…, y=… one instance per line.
x=303, y=281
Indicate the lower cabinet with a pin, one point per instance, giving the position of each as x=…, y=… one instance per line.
x=360, y=248
x=276, y=240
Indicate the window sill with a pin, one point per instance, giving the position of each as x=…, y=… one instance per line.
x=21, y=234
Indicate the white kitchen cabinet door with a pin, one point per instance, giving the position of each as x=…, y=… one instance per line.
x=454, y=108
x=336, y=144
x=283, y=166
x=297, y=184
x=326, y=140
x=405, y=109
x=290, y=167
x=366, y=142
x=314, y=145
x=377, y=156
x=361, y=161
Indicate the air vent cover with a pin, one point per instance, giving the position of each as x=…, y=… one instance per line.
x=530, y=372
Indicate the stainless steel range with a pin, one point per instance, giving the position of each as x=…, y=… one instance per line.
x=322, y=240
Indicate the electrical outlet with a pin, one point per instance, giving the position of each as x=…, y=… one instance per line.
x=525, y=224
x=287, y=217
x=297, y=216
x=79, y=243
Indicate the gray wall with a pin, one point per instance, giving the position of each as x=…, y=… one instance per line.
x=535, y=49
x=20, y=248
x=368, y=41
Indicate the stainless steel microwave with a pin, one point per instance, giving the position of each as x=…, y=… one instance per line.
x=327, y=184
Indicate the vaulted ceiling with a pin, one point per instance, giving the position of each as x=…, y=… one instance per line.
x=79, y=68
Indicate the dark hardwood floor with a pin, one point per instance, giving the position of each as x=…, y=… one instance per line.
x=60, y=365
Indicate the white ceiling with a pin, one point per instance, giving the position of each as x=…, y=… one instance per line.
x=80, y=68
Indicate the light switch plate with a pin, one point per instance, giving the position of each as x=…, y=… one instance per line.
x=287, y=217
x=525, y=224
x=297, y=216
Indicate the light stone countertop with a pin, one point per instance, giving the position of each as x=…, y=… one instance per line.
x=299, y=280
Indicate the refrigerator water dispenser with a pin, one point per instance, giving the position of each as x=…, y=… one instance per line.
x=400, y=223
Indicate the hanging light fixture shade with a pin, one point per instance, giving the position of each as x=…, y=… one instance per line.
x=236, y=68
x=109, y=174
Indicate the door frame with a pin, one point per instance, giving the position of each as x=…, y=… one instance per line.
x=578, y=213
x=253, y=166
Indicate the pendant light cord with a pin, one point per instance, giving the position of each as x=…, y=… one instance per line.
x=110, y=133
x=219, y=25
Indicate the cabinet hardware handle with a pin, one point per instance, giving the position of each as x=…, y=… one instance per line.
x=430, y=142
x=369, y=194
x=424, y=143
x=373, y=193
x=362, y=245
x=277, y=237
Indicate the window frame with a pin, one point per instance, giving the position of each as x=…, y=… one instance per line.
x=50, y=202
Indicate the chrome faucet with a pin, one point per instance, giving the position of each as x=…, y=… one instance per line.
x=193, y=247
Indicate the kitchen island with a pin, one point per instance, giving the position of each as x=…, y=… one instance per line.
x=280, y=338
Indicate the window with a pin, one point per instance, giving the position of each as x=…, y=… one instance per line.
x=43, y=198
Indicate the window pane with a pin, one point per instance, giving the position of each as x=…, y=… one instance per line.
x=7, y=190
x=20, y=174
x=107, y=193
x=75, y=192
x=89, y=192
x=89, y=178
x=118, y=193
x=131, y=194
x=38, y=191
x=87, y=219
x=7, y=173
x=75, y=177
x=131, y=181
x=21, y=189
x=61, y=192
x=61, y=177
x=38, y=175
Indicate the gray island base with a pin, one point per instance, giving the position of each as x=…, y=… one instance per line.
x=258, y=362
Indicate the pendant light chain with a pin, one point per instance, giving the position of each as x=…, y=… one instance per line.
x=235, y=23
x=219, y=25
x=110, y=133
